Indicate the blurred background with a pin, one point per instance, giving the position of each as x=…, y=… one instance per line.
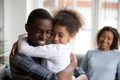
x=96, y=13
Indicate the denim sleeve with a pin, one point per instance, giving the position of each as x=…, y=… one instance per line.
x=78, y=71
x=25, y=68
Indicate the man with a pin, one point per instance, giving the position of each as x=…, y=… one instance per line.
x=38, y=28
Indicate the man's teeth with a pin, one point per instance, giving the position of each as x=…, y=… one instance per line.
x=42, y=42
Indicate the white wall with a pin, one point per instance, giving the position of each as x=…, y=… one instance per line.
x=14, y=21
x=1, y=19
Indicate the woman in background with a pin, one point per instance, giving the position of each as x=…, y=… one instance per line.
x=103, y=63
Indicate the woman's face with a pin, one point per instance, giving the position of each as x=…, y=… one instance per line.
x=106, y=40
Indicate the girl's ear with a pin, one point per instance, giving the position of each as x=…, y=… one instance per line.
x=73, y=35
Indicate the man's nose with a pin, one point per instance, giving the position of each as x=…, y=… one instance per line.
x=43, y=35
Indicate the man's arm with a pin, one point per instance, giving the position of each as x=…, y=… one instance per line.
x=25, y=66
x=13, y=50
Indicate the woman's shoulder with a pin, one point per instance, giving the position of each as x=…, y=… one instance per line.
x=92, y=50
x=116, y=51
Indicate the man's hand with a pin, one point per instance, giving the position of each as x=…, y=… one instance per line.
x=13, y=50
x=73, y=61
x=67, y=74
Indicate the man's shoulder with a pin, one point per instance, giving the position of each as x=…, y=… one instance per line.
x=21, y=62
x=26, y=68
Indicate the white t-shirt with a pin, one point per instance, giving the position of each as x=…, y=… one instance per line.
x=57, y=55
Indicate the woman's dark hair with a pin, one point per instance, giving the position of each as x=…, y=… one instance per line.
x=70, y=19
x=115, y=34
x=38, y=13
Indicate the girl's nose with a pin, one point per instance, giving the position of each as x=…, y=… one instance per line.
x=56, y=38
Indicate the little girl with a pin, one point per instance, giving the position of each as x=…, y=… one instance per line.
x=66, y=24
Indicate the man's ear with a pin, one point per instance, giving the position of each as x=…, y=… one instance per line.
x=26, y=27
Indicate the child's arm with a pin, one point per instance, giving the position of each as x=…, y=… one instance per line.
x=45, y=51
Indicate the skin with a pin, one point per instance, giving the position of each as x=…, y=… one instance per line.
x=39, y=32
x=106, y=40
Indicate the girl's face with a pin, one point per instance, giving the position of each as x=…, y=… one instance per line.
x=106, y=40
x=60, y=35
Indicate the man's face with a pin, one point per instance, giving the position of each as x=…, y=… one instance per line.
x=39, y=31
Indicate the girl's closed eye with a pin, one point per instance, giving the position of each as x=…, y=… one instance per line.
x=61, y=35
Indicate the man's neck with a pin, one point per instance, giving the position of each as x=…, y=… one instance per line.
x=37, y=60
x=30, y=42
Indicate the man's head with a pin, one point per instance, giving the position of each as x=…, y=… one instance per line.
x=39, y=27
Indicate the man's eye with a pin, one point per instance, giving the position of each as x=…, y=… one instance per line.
x=48, y=32
x=38, y=31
